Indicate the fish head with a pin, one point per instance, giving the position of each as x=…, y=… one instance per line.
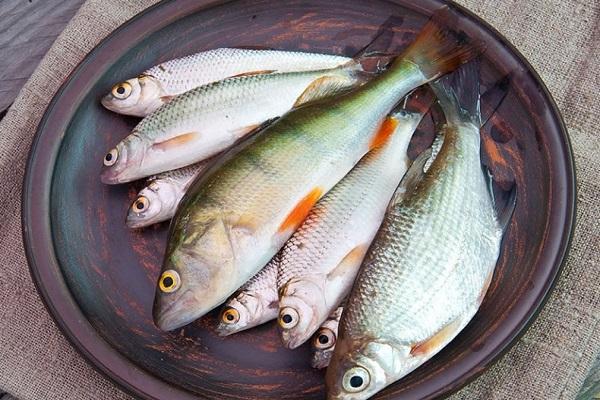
x=302, y=309
x=154, y=203
x=199, y=272
x=122, y=163
x=244, y=311
x=361, y=368
x=323, y=346
x=137, y=96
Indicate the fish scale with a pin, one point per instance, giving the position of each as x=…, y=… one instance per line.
x=182, y=74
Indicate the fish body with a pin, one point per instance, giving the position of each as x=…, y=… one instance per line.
x=158, y=200
x=319, y=262
x=234, y=219
x=428, y=268
x=204, y=121
x=324, y=340
x=253, y=304
x=156, y=86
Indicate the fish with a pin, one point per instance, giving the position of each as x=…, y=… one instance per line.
x=237, y=216
x=255, y=303
x=319, y=262
x=158, y=200
x=431, y=263
x=324, y=340
x=158, y=85
x=208, y=119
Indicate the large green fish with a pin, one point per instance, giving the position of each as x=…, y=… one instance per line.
x=431, y=263
x=235, y=218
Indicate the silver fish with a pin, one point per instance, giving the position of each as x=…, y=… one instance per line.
x=158, y=85
x=320, y=261
x=158, y=201
x=324, y=340
x=429, y=266
x=206, y=120
x=254, y=304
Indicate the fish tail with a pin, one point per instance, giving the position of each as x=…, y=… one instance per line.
x=458, y=95
x=439, y=50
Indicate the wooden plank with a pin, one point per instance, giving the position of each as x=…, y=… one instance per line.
x=27, y=30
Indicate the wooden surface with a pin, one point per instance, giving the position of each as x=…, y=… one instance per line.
x=27, y=30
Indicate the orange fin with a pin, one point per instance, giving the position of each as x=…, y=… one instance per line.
x=176, y=141
x=386, y=130
x=250, y=73
x=301, y=210
x=430, y=346
x=166, y=99
x=352, y=260
x=320, y=88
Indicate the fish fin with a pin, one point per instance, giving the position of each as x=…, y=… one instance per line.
x=381, y=42
x=322, y=87
x=458, y=95
x=486, y=285
x=301, y=210
x=251, y=73
x=352, y=260
x=413, y=176
x=167, y=98
x=386, y=130
x=493, y=98
x=433, y=344
x=245, y=130
x=179, y=140
x=504, y=201
x=437, y=50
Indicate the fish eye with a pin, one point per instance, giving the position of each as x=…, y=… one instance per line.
x=141, y=204
x=356, y=380
x=169, y=281
x=111, y=157
x=121, y=90
x=325, y=339
x=288, y=318
x=230, y=316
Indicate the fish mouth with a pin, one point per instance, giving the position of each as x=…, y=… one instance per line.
x=106, y=101
x=178, y=313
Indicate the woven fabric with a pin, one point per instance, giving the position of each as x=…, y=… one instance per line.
x=562, y=42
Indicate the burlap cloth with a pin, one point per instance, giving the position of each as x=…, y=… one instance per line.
x=562, y=41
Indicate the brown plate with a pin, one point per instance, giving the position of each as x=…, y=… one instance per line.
x=97, y=277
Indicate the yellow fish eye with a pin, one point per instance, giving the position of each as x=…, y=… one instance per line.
x=111, y=157
x=230, y=316
x=356, y=380
x=288, y=318
x=324, y=339
x=169, y=281
x=141, y=204
x=121, y=90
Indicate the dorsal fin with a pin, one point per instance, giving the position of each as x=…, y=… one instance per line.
x=492, y=99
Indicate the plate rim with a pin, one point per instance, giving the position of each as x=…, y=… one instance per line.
x=78, y=324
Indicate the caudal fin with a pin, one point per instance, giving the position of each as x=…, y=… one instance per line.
x=438, y=50
x=458, y=95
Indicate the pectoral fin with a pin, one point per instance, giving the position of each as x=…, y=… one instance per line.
x=432, y=345
x=177, y=141
x=350, y=262
x=301, y=210
x=387, y=129
x=250, y=73
x=412, y=177
x=166, y=99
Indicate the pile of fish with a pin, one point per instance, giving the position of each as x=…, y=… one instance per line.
x=292, y=197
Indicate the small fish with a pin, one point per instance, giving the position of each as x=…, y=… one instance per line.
x=324, y=340
x=430, y=265
x=206, y=120
x=320, y=261
x=158, y=85
x=254, y=304
x=158, y=201
x=235, y=218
